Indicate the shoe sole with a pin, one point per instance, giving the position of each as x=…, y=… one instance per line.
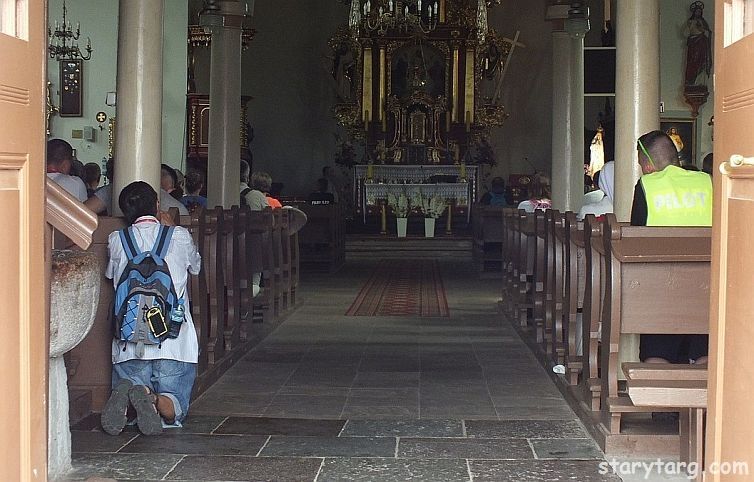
x=113, y=417
x=147, y=418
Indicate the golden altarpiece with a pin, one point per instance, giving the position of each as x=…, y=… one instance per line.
x=418, y=86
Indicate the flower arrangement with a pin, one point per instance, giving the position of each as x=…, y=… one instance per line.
x=399, y=204
x=433, y=207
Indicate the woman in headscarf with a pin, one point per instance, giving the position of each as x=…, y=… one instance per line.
x=606, y=184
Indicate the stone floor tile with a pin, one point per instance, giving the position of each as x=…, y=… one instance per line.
x=306, y=406
x=383, y=397
x=535, y=413
x=525, y=429
x=330, y=447
x=315, y=377
x=393, y=470
x=190, y=444
x=313, y=390
x=382, y=412
x=430, y=448
x=257, y=469
x=199, y=424
x=403, y=428
x=581, y=449
x=539, y=471
x=122, y=466
x=98, y=441
x=280, y=426
x=218, y=402
x=367, y=379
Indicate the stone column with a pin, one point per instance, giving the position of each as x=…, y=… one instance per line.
x=223, y=169
x=138, y=125
x=568, y=108
x=637, y=92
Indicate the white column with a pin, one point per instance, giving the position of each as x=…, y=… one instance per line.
x=562, y=107
x=637, y=91
x=138, y=125
x=223, y=169
x=568, y=110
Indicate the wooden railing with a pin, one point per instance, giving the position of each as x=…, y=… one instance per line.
x=234, y=244
x=577, y=290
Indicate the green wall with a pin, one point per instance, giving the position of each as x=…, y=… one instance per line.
x=99, y=21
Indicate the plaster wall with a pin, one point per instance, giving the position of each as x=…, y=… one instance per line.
x=99, y=21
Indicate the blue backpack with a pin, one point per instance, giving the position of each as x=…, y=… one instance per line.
x=147, y=310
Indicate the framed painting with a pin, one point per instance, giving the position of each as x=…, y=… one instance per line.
x=683, y=133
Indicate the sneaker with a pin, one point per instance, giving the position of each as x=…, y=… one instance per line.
x=147, y=418
x=113, y=417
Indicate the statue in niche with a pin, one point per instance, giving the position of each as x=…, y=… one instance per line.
x=698, y=45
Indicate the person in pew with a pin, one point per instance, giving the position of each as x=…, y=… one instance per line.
x=100, y=202
x=541, y=198
x=194, y=186
x=92, y=177
x=668, y=195
x=169, y=182
x=496, y=195
x=600, y=202
x=321, y=195
x=256, y=195
x=153, y=372
x=59, y=164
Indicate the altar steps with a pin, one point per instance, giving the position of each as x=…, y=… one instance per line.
x=411, y=247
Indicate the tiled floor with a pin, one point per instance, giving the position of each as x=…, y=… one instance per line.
x=329, y=397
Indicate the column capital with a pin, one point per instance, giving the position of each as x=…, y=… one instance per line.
x=225, y=13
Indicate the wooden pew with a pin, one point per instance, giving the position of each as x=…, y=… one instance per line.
x=596, y=274
x=553, y=281
x=525, y=246
x=540, y=272
x=212, y=250
x=261, y=259
x=574, y=276
x=508, y=254
x=684, y=386
x=649, y=270
x=322, y=239
x=488, y=239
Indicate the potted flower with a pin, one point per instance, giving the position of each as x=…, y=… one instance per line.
x=400, y=206
x=432, y=207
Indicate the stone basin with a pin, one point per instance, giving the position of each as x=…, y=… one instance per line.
x=74, y=296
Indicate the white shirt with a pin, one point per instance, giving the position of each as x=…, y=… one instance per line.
x=105, y=194
x=74, y=185
x=182, y=258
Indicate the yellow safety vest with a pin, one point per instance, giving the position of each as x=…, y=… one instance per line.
x=677, y=197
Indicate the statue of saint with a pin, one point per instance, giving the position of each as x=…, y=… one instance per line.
x=698, y=44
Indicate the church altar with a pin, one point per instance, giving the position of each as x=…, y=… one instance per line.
x=457, y=184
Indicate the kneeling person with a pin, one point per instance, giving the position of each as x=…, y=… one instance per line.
x=155, y=349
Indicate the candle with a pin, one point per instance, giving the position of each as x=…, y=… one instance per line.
x=406, y=11
x=380, y=11
x=419, y=6
x=390, y=5
x=435, y=8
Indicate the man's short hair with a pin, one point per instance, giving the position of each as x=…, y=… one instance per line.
x=261, y=181
x=244, y=171
x=194, y=181
x=136, y=200
x=92, y=173
x=58, y=151
x=661, y=148
x=168, y=173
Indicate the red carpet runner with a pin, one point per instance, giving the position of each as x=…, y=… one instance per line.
x=402, y=288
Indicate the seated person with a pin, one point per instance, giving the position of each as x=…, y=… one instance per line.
x=59, y=165
x=169, y=182
x=92, y=176
x=496, y=195
x=154, y=379
x=194, y=186
x=600, y=202
x=667, y=195
x=321, y=195
x=100, y=202
x=541, y=198
x=256, y=196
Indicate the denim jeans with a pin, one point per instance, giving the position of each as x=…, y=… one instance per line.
x=171, y=378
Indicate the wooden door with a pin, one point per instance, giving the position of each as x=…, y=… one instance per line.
x=23, y=281
x=730, y=424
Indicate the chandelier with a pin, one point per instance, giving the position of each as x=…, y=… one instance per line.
x=384, y=15
x=64, y=40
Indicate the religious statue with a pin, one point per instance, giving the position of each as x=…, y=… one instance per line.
x=698, y=44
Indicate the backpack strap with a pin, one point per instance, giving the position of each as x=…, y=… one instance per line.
x=163, y=241
x=129, y=243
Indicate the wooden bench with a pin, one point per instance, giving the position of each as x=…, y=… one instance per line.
x=261, y=260
x=488, y=240
x=649, y=269
x=574, y=276
x=684, y=386
x=322, y=239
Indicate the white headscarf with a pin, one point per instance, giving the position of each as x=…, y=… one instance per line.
x=607, y=180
